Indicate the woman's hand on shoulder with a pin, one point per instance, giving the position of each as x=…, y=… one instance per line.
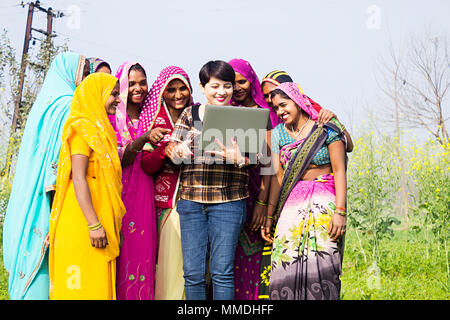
x=325, y=116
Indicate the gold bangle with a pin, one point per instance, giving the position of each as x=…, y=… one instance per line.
x=270, y=217
x=96, y=226
x=261, y=203
x=341, y=212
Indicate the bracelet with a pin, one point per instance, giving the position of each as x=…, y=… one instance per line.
x=341, y=212
x=96, y=226
x=261, y=202
x=132, y=149
x=269, y=217
x=340, y=208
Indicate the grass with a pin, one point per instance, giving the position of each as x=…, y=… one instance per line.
x=406, y=272
x=3, y=273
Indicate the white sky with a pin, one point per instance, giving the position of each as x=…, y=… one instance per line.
x=330, y=47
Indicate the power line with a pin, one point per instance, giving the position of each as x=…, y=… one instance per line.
x=32, y=8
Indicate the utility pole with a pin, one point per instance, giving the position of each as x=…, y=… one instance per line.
x=32, y=6
x=28, y=30
x=23, y=65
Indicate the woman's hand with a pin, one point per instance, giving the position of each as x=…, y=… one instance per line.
x=177, y=152
x=325, y=116
x=265, y=231
x=157, y=134
x=337, y=226
x=228, y=155
x=98, y=238
x=258, y=217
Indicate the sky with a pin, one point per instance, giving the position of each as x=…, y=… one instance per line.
x=332, y=48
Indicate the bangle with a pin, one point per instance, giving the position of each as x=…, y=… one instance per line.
x=340, y=208
x=261, y=202
x=341, y=212
x=269, y=217
x=132, y=149
x=96, y=226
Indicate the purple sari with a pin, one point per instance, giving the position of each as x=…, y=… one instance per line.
x=250, y=244
x=137, y=259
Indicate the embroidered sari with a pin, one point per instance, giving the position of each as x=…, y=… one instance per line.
x=136, y=263
x=250, y=244
x=28, y=213
x=169, y=272
x=305, y=262
x=77, y=269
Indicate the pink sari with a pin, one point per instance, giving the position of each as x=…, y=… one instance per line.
x=250, y=244
x=137, y=259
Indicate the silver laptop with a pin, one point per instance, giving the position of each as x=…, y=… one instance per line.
x=247, y=125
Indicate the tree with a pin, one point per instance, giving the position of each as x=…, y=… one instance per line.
x=418, y=83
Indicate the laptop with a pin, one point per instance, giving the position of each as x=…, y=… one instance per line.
x=247, y=125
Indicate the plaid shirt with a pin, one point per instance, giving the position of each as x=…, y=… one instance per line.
x=203, y=179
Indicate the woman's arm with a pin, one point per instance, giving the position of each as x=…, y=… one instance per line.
x=274, y=195
x=337, y=158
x=325, y=116
x=152, y=161
x=260, y=207
x=134, y=147
x=83, y=195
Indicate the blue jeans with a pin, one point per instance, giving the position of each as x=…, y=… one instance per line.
x=212, y=228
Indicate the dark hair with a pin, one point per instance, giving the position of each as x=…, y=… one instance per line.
x=218, y=69
x=137, y=67
x=103, y=64
x=279, y=92
x=283, y=94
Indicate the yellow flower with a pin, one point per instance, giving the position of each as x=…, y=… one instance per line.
x=438, y=190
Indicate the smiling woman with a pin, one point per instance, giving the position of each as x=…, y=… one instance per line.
x=87, y=212
x=217, y=189
x=136, y=263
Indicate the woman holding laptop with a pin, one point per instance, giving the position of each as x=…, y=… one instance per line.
x=212, y=204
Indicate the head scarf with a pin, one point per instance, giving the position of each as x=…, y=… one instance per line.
x=28, y=213
x=123, y=135
x=276, y=77
x=88, y=119
x=245, y=69
x=138, y=198
x=95, y=63
x=155, y=114
x=153, y=101
x=295, y=94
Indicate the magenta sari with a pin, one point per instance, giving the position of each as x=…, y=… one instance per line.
x=137, y=259
x=250, y=244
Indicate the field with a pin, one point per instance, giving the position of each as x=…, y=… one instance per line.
x=396, y=246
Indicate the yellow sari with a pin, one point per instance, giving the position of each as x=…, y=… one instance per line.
x=76, y=269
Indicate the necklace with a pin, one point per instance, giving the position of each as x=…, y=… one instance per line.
x=297, y=134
